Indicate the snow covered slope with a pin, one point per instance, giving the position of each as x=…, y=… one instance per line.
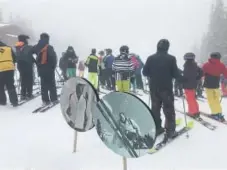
x=44, y=141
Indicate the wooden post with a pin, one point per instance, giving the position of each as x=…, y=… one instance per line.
x=124, y=163
x=75, y=141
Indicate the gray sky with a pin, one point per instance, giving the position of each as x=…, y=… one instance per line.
x=87, y=24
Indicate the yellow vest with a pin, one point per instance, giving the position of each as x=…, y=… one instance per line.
x=6, y=59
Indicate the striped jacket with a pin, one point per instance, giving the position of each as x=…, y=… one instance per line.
x=123, y=67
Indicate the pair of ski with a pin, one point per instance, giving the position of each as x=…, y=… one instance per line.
x=44, y=108
x=179, y=133
x=200, y=120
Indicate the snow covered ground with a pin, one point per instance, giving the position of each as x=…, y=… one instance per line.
x=44, y=141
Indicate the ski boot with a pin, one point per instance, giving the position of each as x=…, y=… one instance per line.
x=194, y=116
x=218, y=117
x=169, y=135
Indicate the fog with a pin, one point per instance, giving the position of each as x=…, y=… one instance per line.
x=100, y=24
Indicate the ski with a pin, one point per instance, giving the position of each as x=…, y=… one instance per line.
x=209, y=116
x=201, y=121
x=39, y=108
x=27, y=100
x=162, y=144
x=49, y=107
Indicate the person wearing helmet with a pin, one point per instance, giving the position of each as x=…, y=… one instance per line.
x=213, y=69
x=25, y=62
x=108, y=61
x=161, y=68
x=191, y=74
x=92, y=63
x=123, y=68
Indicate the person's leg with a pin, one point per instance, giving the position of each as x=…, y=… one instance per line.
x=11, y=88
x=44, y=89
x=2, y=88
x=193, y=108
x=52, y=87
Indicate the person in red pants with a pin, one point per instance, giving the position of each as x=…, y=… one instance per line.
x=191, y=74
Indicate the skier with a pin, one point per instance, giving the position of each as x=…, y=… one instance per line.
x=102, y=69
x=139, y=81
x=212, y=71
x=123, y=68
x=108, y=61
x=223, y=86
x=161, y=68
x=25, y=62
x=136, y=66
x=93, y=63
x=81, y=69
x=46, y=63
x=71, y=60
x=191, y=74
x=63, y=66
x=7, y=67
x=199, y=89
x=178, y=89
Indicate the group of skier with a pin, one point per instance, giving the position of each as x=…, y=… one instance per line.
x=46, y=62
x=116, y=73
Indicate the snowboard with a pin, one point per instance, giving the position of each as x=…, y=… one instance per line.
x=206, y=124
x=162, y=144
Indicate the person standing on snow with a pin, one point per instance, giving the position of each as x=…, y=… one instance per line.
x=63, y=66
x=161, y=68
x=7, y=67
x=108, y=61
x=191, y=74
x=81, y=69
x=139, y=81
x=136, y=66
x=123, y=68
x=25, y=62
x=212, y=71
x=93, y=63
x=102, y=69
x=46, y=63
x=71, y=60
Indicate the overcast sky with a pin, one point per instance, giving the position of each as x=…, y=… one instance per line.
x=87, y=24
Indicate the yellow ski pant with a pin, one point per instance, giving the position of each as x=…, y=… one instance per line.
x=123, y=85
x=93, y=78
x=213, y=97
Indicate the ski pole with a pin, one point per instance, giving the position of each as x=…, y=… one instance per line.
x=185, y=116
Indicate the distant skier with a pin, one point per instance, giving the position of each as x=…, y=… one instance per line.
x=178, y=89
x=135, y=62
x=46, y=62
x=213, y=69
x=92, y=63
x=63, y=66
x=7, y=68
x=223, y=86
x=25, y=62
x=81, y=68
x=123, y=68
x=161, y=68
x=102, y=69
x=139, y=81
x=71, y=60
x=191, y=74
x=108, y=61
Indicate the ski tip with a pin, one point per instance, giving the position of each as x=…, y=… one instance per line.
x=152, y=150
x=190, y=124
x=178, y=121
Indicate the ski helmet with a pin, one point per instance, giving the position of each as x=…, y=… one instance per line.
x=189, y=56
x=101, y=53
x=124, y=49
x=216, y=55
x=93, y=51
x=163, y=45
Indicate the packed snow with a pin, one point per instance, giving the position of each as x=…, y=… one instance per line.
x=44, y=141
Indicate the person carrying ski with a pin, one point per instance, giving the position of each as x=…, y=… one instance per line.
x=25, y=62
x=81, y=69
x=212, y=71
x=124, y=69
x=92, y=63
x=191, y=74
x=71, y=60
x=108, y=61
x=7, y=68
x=46, y=63
x=161, y=68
